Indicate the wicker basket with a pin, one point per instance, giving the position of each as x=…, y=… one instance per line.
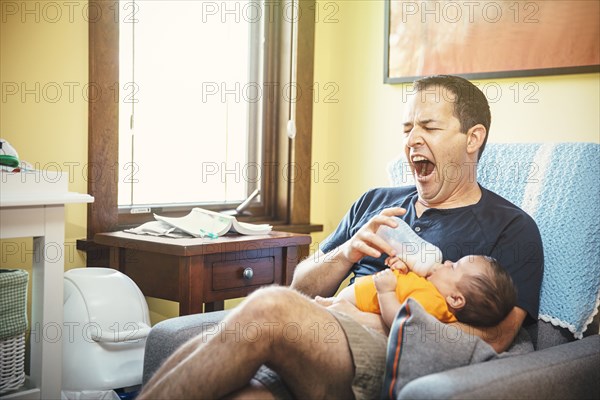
x=13, y=325
x=12, y=363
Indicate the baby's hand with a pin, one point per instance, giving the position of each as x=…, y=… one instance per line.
x=396, y=264
x=385, y=281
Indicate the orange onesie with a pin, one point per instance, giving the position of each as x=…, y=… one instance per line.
x=408, y=285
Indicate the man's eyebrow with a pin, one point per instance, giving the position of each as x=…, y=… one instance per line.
x=427, y=121
x=421, y=122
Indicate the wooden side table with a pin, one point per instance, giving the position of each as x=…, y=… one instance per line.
x=205, y=271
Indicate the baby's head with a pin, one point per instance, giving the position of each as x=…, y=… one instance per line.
x=477, y=289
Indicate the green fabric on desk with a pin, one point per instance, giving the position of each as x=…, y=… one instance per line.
x=13, y=302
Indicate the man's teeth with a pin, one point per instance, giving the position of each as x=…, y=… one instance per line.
x=421, y=165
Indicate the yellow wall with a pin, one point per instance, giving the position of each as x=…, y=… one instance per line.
x=43, y=55
x=356, y=117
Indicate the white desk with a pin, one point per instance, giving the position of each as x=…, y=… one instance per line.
x=32, y=207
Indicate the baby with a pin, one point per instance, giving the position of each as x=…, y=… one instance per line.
x=475, y=290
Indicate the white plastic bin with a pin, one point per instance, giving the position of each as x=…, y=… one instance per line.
x=106, y=325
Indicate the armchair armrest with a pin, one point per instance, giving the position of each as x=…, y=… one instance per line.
x=166, y=337
x=567, y=371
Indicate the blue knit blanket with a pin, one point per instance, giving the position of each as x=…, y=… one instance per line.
x=558, y=184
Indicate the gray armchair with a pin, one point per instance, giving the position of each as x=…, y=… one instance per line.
x=558, y=185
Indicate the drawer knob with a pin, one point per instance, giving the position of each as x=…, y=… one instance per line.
x=248, y=273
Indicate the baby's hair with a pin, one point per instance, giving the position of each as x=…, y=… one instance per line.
x=489, y=297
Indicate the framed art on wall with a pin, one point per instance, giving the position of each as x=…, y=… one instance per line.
x=490, y=39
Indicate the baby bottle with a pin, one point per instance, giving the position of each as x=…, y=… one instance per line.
x=418, y=254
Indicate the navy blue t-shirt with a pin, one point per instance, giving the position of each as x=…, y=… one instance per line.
x=493, y=226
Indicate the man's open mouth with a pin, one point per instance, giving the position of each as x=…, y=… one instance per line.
x=423, y=167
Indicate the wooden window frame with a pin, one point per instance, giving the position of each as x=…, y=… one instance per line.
x=290, y=210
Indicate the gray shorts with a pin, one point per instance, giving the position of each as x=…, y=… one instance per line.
x=368, y=349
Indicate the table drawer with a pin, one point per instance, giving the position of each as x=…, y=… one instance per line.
x=242, y=273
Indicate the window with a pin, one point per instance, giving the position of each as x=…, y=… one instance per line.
x=191, y=98
x=288, y=46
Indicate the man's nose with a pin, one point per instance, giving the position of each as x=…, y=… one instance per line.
x=414, y=137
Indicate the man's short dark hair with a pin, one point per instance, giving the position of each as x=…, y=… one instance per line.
x=470, y=104
x=489, y=297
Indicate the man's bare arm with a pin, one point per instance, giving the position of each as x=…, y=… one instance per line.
x=501, y=336
x=367, y=319
x=321, y=274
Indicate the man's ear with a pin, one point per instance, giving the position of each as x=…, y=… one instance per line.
x=456, y=300
x=475, y=138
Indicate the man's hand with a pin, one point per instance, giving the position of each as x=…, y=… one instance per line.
x=338, y=304
x=366, y=242
x=325, y=301
x=501, y=336
x=370, y=320
x=385, y=281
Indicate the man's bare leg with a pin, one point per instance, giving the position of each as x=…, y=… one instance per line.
x=174, y=359
x=276, y=326
x=253, y=391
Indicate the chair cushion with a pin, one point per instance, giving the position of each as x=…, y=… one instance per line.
x=420, y=345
